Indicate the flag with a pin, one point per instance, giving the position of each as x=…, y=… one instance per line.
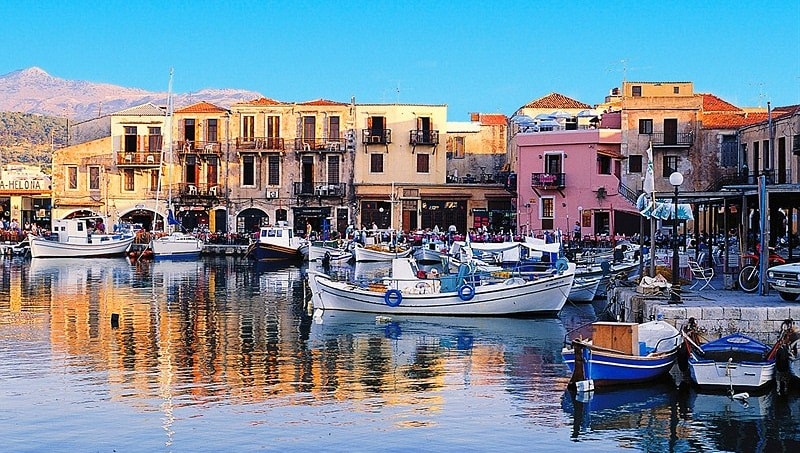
x=649, y=179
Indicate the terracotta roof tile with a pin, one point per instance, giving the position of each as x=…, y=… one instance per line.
x=201, y=107
x=321, y=102
x=494, y=119
x=713, y=103
x=261, y=101
x=148, y=109
x=731, y=121
x=556, y=101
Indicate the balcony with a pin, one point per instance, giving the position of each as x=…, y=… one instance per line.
x=138, y=159
x=548, y=180
x=423, y=137
x=320, y=145
x=376, y=136
x=258, y=144
x=683, y=139
x=322, y=190
x=197, y=194
x=199, y=148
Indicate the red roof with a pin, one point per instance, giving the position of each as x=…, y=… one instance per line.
x=321, y=102
x=262, y=101
x=730, y=120
x=201, y=107
x=494, y=119
x=713, y=103
x=556, y=101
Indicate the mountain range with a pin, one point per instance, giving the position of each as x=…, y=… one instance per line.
x=34, y=91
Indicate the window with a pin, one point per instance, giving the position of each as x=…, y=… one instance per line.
x=130, y=139
x=645, y=126
x=212, y=170
x=154, y=177
x=676, y=90
x=333, y=169
x=189, y=129
x=670, y=166
x=128, y=179
x=333, y=128
x=248, y=171
x=635, y=163
x=796, y=144
x=154, y=139
x=548, y=213
x=309, y=129
x=72, y=178
x=729, y=152
x=274, y=132
x=603, y=165
x=636, y=90
x=459, y=150
x=94, y=178
x=423, y=163
x=273, y=170
x=248, y=128
x=191, y=169
x=212, y=130
x=376, y=163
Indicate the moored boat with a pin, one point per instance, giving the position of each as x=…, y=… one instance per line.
x=176, y=246
x=732, y=362
x=621, y=353
x=583, y=289
x=407, y=291
x=78, y=238
x=379, y=252
x=278, y=243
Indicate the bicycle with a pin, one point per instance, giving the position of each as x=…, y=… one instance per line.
x=749, y=275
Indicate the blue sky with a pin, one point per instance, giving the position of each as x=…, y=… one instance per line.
x=474, y=56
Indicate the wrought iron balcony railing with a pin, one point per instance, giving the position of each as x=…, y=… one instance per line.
x=423, y=137
x=376, y=136
x=548, y=180
x=317, y=189
x=259, y=144
x=138, y=159
x=324, y=145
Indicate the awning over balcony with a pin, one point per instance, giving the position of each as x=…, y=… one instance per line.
x=610, y=153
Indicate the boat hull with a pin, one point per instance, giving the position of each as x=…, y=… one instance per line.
x=732, y=361
x=168, y=247
x=273, y=252
x=609, y=369
x=583, y=289
x=368, y=254
x=542, y=297
x=113, y=245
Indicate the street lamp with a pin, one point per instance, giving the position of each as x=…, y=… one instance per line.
x=676, y=179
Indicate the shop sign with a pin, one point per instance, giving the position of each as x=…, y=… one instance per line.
x=24, y=185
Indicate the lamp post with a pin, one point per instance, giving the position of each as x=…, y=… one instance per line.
x=676, y=179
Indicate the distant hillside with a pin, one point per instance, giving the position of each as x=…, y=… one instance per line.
x=28, y=138
x=33, y=90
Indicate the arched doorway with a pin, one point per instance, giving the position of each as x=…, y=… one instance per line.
x=249, y=220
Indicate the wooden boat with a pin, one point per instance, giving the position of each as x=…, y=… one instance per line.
x=278, y=243
x=176, y=246
x=379, y=252
x=407, y=291
x=77, y=238
x=621, y=353
x=330, y=252
x=735, y=361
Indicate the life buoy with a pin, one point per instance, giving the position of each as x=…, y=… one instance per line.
x=562, y=265
x=393, y=297
x=466, y=292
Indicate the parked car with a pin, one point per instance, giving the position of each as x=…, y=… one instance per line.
x=785, y=279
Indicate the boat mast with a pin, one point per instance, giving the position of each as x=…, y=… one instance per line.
x=168, y=149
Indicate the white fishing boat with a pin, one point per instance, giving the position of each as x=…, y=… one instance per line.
x=379, y=252
x=407, y=291
x=78, y=238
x=176, y=245
x=278, y=243
x=331, y=252
x=734, y=361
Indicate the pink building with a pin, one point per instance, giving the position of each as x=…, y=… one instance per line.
x=568, y=176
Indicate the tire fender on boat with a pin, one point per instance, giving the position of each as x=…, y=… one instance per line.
x=466, y=292
x=393, y=297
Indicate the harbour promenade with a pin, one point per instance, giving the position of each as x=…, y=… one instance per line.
x=718, y=311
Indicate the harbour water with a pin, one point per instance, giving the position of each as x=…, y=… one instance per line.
x=221, y=355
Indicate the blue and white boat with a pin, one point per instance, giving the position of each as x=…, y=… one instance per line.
x=646, y=352
x=734, y=361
